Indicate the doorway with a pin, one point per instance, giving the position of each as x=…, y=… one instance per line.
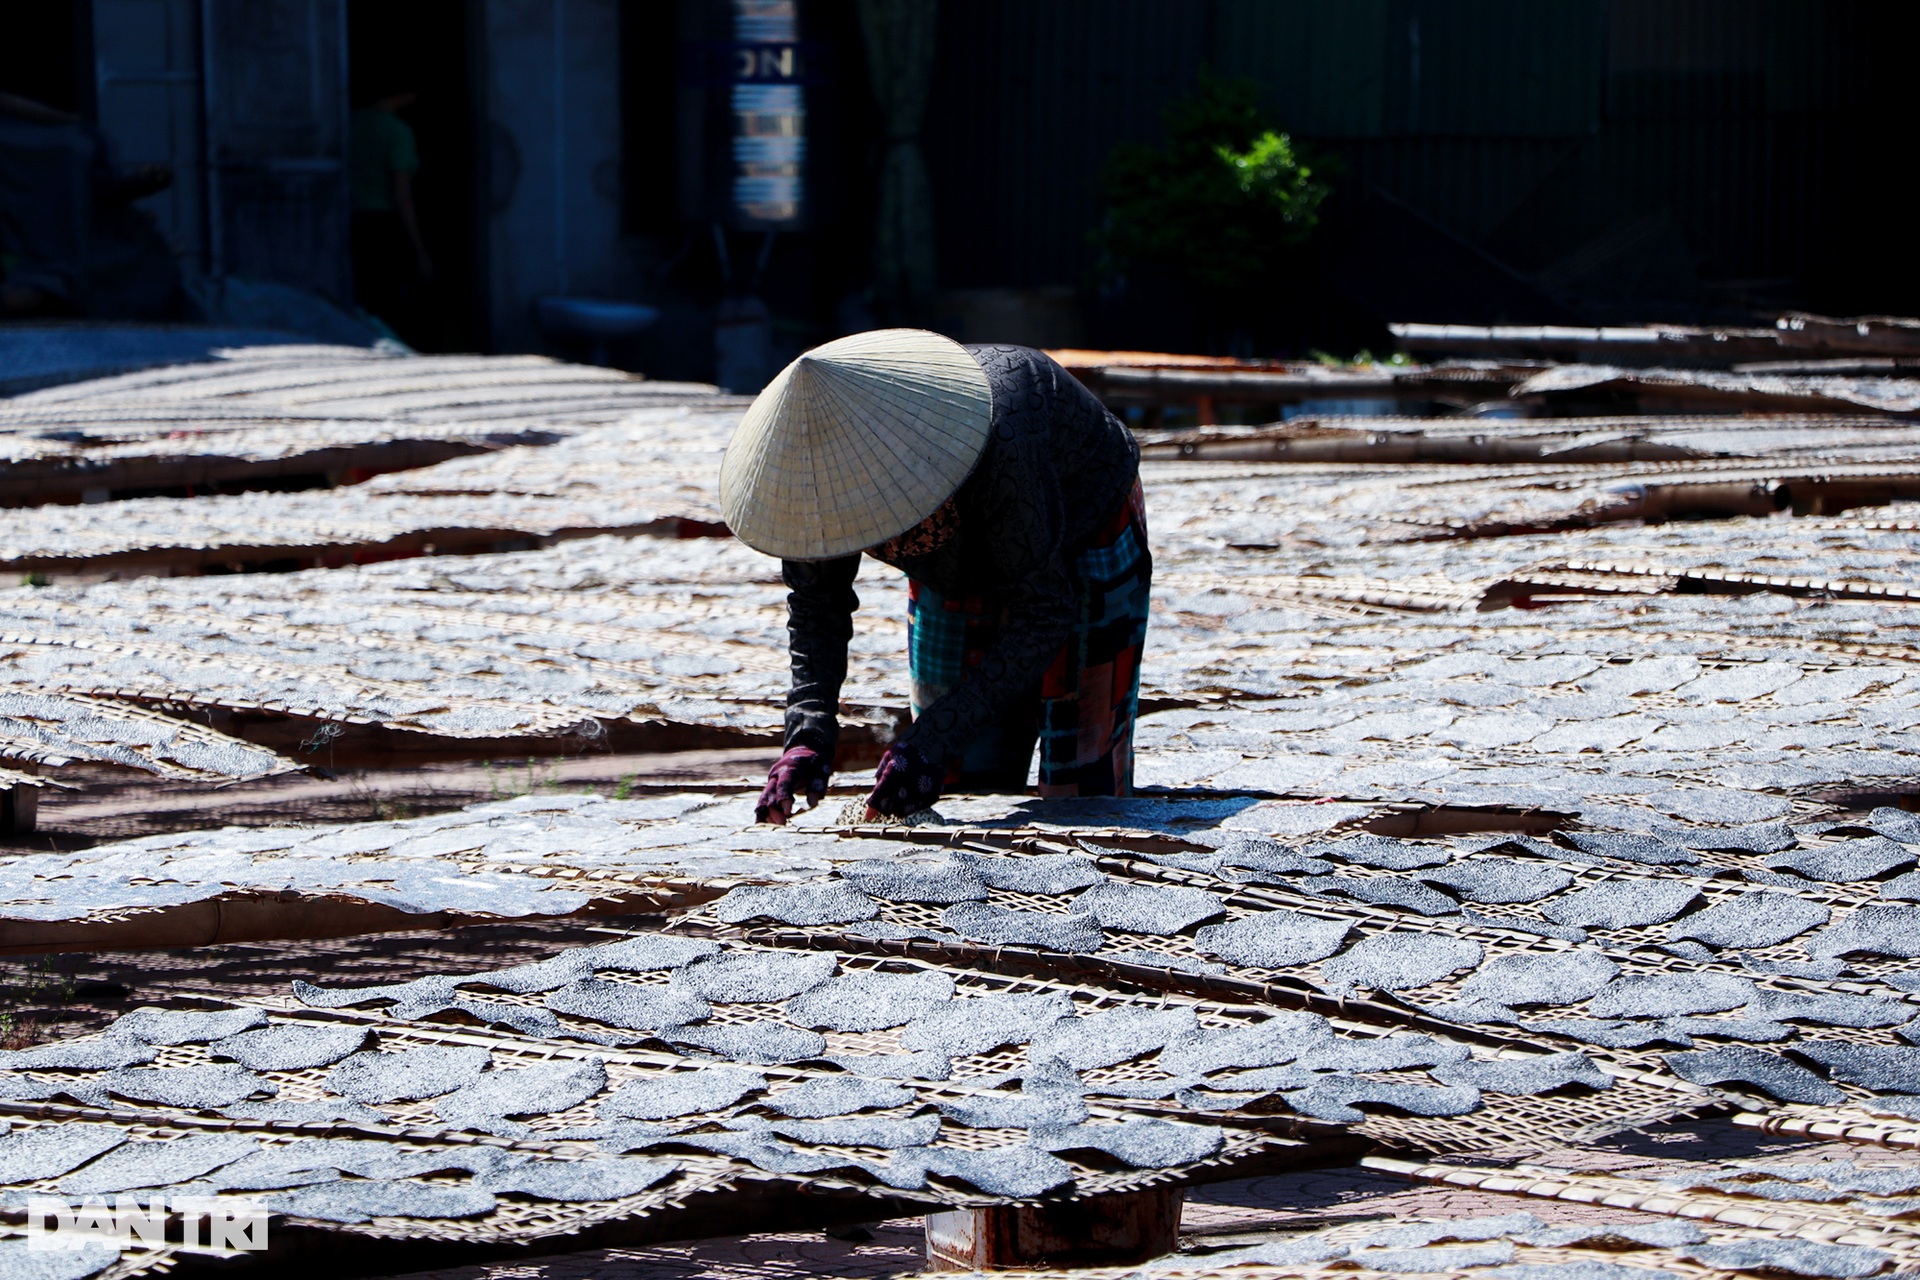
x=422, y=48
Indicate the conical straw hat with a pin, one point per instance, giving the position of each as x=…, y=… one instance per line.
x=854, y=443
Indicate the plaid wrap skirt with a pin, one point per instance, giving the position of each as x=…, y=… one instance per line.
x=1083, y=709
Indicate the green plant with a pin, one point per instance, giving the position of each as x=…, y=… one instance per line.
x=541, y=775
x=1221, y=202
x=38, y=984
x=1398, y=360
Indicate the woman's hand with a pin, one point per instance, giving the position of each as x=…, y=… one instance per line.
x=798, y=772
x=905, y=783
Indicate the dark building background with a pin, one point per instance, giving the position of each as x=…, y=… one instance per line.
x=1632, y=158
x=1576, y=161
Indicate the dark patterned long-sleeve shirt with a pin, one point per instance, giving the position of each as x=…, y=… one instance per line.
x=1055, y=469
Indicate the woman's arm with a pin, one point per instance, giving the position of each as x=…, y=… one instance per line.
x=820, y=605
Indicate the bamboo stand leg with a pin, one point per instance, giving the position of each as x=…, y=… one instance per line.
x=19, y=809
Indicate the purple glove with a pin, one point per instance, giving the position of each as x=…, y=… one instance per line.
x=800, y=771
x=905, y=783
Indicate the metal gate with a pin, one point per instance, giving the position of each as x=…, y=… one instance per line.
x=275, y=89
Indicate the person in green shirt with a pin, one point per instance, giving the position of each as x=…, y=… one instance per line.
x=390, y=262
